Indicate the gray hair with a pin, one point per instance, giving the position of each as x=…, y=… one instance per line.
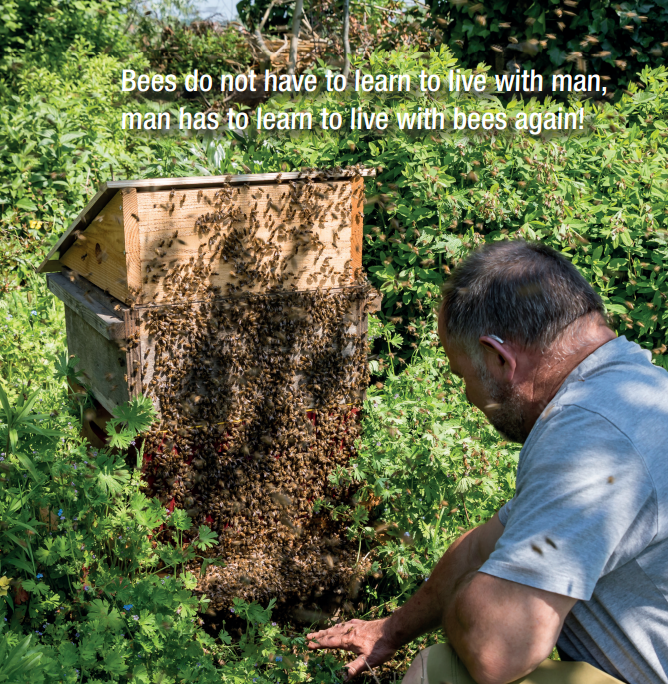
x=524, y=292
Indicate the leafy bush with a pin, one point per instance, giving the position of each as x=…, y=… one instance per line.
x=43, y=30
x=599, y=197
x=100, y=573
x=430, y=465
x=177, y=48
x=614, y=40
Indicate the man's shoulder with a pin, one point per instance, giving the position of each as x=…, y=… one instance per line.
x=611, y=414
x=620, y=389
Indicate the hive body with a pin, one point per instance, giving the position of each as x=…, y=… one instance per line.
x=237, y=304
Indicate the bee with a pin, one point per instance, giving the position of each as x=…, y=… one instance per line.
x=100, y=254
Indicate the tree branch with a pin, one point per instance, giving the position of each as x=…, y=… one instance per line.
x=346, y=37
x=294, y=43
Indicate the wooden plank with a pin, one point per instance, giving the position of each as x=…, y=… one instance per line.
x=104, y=361
x=375, y=302
x=357, y=224
x=98, y=316
x=100, y=255
x=172, y=236
x=109, y=189
x=135, y=353
x=189, y=182
x=132, y=249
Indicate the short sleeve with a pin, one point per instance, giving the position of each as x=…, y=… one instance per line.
x=504, y=512
x=584, y=505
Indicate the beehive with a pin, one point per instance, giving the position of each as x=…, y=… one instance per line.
x=238, y=304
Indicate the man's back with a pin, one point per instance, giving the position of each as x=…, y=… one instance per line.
x=590, y=515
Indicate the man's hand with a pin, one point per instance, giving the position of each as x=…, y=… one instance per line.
x=367, y=639
x=377, y=641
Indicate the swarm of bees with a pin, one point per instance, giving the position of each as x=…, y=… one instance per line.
x=259, y=395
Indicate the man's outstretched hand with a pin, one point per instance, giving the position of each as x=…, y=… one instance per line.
x=367, y=639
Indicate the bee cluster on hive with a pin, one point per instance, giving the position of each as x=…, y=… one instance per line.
x=258, y=378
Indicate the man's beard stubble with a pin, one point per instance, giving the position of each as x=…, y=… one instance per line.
x=507, y=415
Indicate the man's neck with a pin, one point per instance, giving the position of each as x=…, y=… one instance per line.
x=554, y=365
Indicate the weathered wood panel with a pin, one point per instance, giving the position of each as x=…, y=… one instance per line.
x=83, y=302
x=99, y=252
x=103, y=361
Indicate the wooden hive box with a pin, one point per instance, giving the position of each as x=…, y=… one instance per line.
x=238, y=304
x=129, y=248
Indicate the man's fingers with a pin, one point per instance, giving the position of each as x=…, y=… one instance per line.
x=358, y=665
x=324, y=640
x=324, y=632
x=334, y=637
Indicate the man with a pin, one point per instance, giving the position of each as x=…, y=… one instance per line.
x=579, y=557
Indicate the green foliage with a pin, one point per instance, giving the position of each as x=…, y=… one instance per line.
x=19, y=420
x=430, y=464
x=94, y=576
x=103, y=574
x=19, y=662
x=45, y=29
x=129, y=420
x=177, y=48
x=611, y=39
x=598, y=196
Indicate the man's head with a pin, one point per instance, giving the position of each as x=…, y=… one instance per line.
x=516, y=318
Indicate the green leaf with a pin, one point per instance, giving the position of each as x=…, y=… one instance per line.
x=5, y=405
x=114, y=663
x=137, y=414
x=119, y=440
x=25, y=203
x=68, y=137
x=180, y=520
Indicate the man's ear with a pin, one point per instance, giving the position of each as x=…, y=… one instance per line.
x=499, y=357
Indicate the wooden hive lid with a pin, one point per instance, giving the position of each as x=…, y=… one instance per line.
x=119, y=238
x=107, y=190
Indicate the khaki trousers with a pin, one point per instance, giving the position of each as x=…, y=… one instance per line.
x=439, y=664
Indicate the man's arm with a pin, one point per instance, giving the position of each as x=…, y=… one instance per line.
x=502, y=630
x=378, y=640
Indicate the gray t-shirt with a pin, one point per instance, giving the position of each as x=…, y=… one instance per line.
x=590, y=514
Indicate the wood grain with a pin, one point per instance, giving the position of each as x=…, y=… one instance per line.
x=100, y=257
x=79, y=299
x=103, y=361
x=132, y=251
x=357, y=224
x=142, y=242
x=109, y=189
x=164, y=215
